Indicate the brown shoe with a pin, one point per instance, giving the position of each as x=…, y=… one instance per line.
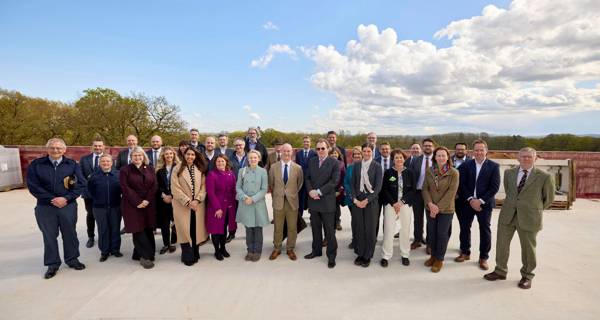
x=292, y=255
x=462, y=258
x=493, y=276
x=275, y=254
x=483, y=265
x=525, y=283
x=415, y=244
x=437, y=266
x=324, y=243
x=429, y=262
x=428, y=250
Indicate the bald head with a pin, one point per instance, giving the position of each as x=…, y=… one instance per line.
x=286, y=152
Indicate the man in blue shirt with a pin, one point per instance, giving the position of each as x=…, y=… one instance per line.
x=56, y=182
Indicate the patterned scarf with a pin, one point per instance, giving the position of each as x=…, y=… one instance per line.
x=438, y=173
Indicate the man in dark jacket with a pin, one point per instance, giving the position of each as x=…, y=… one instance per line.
x=252, y=143
x=89, y=163
x=56, y=182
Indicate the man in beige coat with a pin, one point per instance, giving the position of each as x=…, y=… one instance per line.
x=529, y=191
x=285, y=180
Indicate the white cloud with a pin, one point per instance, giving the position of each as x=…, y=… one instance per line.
x=273, y=49
x=270, y=26
x=247, y=107
x=254, y=115
x=504, y=69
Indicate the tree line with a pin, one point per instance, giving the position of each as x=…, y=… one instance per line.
x=102, y=112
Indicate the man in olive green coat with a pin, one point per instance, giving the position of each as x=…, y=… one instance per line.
x=529, y=191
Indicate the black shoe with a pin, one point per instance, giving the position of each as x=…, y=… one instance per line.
x=135, y=257
x=230, y=237
x=103, y=257
x=77, y=266
x=219, y=256
x=51, y=272
x=90, y=243
x=312, y=255
x=351, y=245
x=225, y=253
x=172, y=248
x=163, y=250
x=189, y=263
x=384, y=263
x=117, y=254
x=331, y=264
x=365, y=263
x=405, y=261
x=397, y=235
x=358, y=261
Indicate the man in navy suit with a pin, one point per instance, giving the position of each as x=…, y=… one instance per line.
x=479, y=183
x=194, y=142
x=415, y=152
x=372, y=140
x=332, y=139
x=90, y=163
x=460, y=154
x=302, y=157
x=154, y=153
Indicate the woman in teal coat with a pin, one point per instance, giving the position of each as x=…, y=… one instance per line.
x=251, y=188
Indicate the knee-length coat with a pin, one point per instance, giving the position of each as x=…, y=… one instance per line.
x=220, y=193
x=253, y=183
x=181, y=188
x=137, y=185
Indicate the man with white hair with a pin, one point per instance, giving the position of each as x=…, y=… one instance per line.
x=56, y=182
x=529, y=191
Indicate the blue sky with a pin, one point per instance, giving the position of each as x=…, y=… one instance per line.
x=199, y=54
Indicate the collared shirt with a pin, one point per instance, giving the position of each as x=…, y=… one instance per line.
x=477, y=170
x=58, y=161
x=252, y=145
x=423, y=171
x=129, y=155
x=459, y=161
x=223, y=150
x=522, y=172
x=210, y=156
x=94, y=157
x=156, y=155
x=306, y=152
x=283, y=164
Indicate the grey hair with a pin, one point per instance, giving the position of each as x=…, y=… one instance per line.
x=140, y=150
x=255, y=152
x=55, y=140
x=528, y=149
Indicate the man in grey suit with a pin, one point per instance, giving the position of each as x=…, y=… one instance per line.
x=321, y=179
x=124, y=158
x=223, y=141
x=529, y=191
x=419, y=166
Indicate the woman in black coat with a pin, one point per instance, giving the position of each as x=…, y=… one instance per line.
x=164, y=209
x=397, y=196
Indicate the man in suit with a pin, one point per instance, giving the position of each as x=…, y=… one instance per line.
x=194, y=141
x=89, y=163
x=223, y=141
x=479, y=183
x=154, y=153
x=385, y=162
x=56, y=182
x=415, y=152
x=321, y=180
x=285, y=180
x=302, y=157
x=252, y=143
x=529, y=191
x=372, y=140
x=274, y=156
x=124, y=158
x=332, y=139
x=210, y=152
x=419, y=166
x=460, y=154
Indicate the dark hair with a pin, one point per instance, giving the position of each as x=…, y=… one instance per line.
x=336, y=149
x=227, y=162
x=460, y=144
x=183, y=143
x=199, y=161
x=366, y=145
x=480, y=141
x=395, y=152
x=194, y=129
x=428, y=140
x=331, y=132
x=97, y=139
x=449, y=161
x=385, y=143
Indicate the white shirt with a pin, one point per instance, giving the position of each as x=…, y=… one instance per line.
x=385, y=163
x=210, y=156
x=459, y=161
x=157, y=154
x=423, y=171
x=94, y=156
x=477, y=170
x=283, y=164
x=522, y=172
x=223, y=150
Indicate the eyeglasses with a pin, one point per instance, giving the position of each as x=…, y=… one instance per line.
x=320, y=149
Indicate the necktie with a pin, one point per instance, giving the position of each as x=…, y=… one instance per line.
x=285, y=174
x=96, y=161
x=428, y=162
x=321, y=162
x=522, y=182
x=154, y=157
x=305, y=154
x=385, y=165
x=55, y=164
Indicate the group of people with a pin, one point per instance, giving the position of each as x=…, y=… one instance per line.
x=199, y=192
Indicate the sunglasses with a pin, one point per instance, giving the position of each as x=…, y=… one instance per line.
x=320, y=149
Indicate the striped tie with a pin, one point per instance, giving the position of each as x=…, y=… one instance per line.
x=522, y=182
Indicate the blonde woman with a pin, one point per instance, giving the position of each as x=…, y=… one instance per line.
x=164, y=209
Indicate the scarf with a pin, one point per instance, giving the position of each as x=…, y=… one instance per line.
x=439, y=172
x=365, y=184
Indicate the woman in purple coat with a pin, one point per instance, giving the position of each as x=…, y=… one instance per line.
x=138, y=184
x=221, y=204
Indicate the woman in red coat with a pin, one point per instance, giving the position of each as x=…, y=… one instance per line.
x=221, y=204
x=138, y=183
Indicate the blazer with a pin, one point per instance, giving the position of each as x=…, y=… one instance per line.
x=236, y=165
x=122, y=159
x=149, y=153
x=488, y=182
x=375, y=178
x=138, y=184
x=324, y=179
x=302, y=160
x=261, y=149
x=444, y=194
x=415, y=165
x=228, y=152
x=389, y=188
x=528, y=206
x=199, y=147
x=253, y=183
x=271, y=159
x=181, y=188
x=281, y=191
x=87, y=168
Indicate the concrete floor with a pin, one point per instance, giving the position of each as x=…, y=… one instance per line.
x=566, y=285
